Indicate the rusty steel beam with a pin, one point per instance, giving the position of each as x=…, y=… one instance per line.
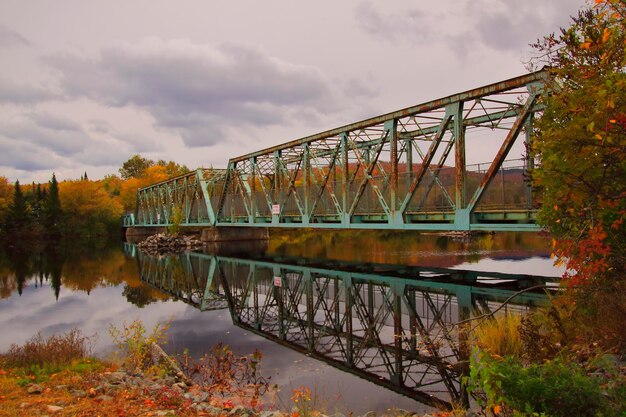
x=494, y=88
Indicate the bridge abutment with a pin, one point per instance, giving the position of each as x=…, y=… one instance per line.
x=232, y=234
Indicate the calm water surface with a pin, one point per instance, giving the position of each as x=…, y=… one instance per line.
x=91, y=285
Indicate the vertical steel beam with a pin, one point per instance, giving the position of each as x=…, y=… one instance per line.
x=391, y=127
x=459, y=154
x=277, y=179
x=345, y=186
x=307, y=183
x=252, y=176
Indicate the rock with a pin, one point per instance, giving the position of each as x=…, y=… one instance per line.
x=116, y=378
x=164, y=413
x=24, y=405
x=79, y=393
x=162, y=243
x=183, y=386
x=155, y=387
x=240, y=410
x=53, y=408
x=35, y=389
x=270, y=414
x=103, y=398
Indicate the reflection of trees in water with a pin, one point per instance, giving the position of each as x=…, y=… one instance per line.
x=39, y=263
x=77, y=266
x=405, y=247
x=140, y=296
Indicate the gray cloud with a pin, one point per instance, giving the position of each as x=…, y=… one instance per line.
x=9, y=37
x=23, y=94
x=47, y=131
x=138, y=143
x=410, y=25
x=26, y=156
x=197, y=91
x=501, y=25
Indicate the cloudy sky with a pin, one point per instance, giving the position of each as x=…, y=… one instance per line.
x=86, y=84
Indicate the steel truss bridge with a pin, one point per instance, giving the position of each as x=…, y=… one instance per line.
x=401, y=170
x=393, y=326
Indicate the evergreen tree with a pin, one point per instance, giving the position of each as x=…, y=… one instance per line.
x=18, y=219
x=53, y=212
x=85, y=177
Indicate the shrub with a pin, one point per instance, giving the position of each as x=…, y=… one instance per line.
x=134, y=344
x=223, y=373
x=176, y=219
x=53, y=352
x=555, y=388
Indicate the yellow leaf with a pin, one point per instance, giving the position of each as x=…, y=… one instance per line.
x=598, y=136
x=612, y=121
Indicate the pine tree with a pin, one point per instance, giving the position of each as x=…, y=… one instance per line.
x=52, y=206
x=18, y=219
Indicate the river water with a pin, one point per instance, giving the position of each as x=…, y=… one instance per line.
x=93, y=285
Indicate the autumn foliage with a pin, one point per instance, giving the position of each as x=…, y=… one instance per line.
x=79, y=207
x=580, y=142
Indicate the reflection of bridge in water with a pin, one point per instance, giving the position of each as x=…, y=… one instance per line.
x=401, y=170
x=393, y=326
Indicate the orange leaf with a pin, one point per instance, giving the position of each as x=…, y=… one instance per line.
x=606, y=34
x=496, y=409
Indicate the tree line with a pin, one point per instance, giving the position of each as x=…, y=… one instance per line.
x=80, y=207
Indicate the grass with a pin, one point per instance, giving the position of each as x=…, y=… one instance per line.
x=51, y=353
x=500, y=336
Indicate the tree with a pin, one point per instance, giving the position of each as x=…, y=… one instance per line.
x=18, y=216
x=580, y=142
x=135, y=167
x=53, y=214
x=172, y=169
x=92, y=210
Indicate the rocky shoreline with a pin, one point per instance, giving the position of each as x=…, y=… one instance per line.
x=162, y=243
x=128, y=392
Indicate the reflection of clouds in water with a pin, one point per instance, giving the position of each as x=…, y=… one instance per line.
x=532, y=266
x=338, y=391
x=37, y=310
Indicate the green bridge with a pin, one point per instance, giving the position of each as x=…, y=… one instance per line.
x=401, y=170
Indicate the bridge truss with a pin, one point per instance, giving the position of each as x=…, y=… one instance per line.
x=402, y=170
